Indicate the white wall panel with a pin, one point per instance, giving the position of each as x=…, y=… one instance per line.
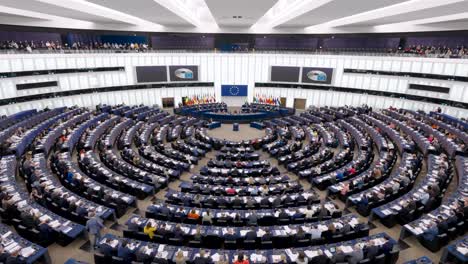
x=239, y=68
x=5, y=65
x=406, y=66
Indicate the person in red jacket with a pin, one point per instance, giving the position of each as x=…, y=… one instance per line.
x=230, y=191
x=241, y=260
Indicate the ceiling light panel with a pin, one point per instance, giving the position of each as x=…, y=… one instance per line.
x=98, y=10
x=42, y=16
x=196, y=12
x=431, y=20
x=400, y=8
x=285, y=10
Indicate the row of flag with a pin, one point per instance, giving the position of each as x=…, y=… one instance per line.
x=262, y=99
x=199, y=99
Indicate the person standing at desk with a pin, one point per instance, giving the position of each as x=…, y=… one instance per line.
x=94, y=226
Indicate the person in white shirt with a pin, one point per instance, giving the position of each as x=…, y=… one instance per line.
x=425, y=198
x=396, y=186
x=315, y=233
x=308, y=213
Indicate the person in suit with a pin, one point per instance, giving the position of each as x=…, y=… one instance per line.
x=442, y=225
x=283, y=215
x=141, y=255
x=164, y=210
x=237, y=202
x=180, y=213
x=28, y=219
x=197, y=236
x=251, y=203
x=133, y=225
x=405, y=210
x=202, y=258
x=321, y=258
x=210, y=201
x=297, y=215
x=45, y=229
x=267, y=236
x=387, y=247
x=346, y=228
x=356, y=256
x=431, y=232
x=251, y=235
x=124, y=252
x=323, y=211
x=81, y=209
x=178, y=232
x=287, y=199
x=3, y=254
x=94, y=226
x=276, y=202
x=15, y=258
x=162, y=230
x=230, y=236
x=264, y=201
x=339, y=256
x=105, y=248
x=327, y=234
x=371, y=250
x=252, y=219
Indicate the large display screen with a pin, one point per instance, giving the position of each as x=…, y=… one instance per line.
x=151, y=74
x=284, y=74
x=234, y=90
x=183, y=73
x=317, y=75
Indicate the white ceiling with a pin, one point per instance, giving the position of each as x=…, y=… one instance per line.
x=249, y=10
x=252, y=16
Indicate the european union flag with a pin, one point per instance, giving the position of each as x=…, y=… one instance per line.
x=234, y=90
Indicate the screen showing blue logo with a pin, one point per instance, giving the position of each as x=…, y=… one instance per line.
x=234, y=90
x=318, y=76
x=184, y=73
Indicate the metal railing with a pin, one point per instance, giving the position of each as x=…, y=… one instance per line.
x=299, y=52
